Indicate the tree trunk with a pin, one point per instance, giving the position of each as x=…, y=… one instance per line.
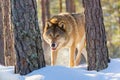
x=95, y=36
x=43, y=12
x=70, y=6
x=2, y=31
x=60, y=1
x=9, y=41
x=47, y=4
x=28, y=44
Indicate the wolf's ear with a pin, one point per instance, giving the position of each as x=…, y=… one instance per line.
x=62, y=25
x=54, y=20
x=48, y=24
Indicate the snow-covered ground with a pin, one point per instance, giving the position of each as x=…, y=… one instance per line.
x=65, y=73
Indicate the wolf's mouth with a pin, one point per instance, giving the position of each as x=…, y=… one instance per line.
x=53, y=46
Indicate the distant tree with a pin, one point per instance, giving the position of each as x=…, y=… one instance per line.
x=43, y=12
x=118, y=9
x=2, y=46
x=60, y=1
x=47, y=4
x=28, y=44
x=119, y=20
x=97, y=50
x=8, y=35
x=70, y=6
x=45, y=7
x=6, y=41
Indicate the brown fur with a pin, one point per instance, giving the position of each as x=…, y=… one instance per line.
x=65, y=31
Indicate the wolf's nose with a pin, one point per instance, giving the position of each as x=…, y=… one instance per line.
x=53, y=45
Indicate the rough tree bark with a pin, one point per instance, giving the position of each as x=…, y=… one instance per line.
x=2, y=61
x=70, y=6
x=28, y=44
x=9, y=41
x=95, y=36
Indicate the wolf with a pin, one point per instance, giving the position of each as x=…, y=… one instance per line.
x=66, y=30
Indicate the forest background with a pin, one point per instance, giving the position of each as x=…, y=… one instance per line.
x=27, y=37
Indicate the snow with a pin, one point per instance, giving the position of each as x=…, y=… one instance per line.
x=64, y=73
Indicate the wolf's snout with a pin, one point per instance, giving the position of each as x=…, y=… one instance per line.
x=53, y=45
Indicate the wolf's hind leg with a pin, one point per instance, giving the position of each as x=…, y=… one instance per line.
x=80, y=47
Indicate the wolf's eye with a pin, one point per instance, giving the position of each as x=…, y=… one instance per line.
x=50, y=35
x=57, y=35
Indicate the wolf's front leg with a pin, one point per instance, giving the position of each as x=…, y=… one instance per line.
x=53, y=57
x=72, y=56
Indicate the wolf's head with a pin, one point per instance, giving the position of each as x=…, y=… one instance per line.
x=55, y=33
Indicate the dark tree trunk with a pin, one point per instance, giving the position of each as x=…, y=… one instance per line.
x=28, y=44
x=95, y=36
x=9, y=41
x=2, y=31
x=60, y=1
x=70, y=6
